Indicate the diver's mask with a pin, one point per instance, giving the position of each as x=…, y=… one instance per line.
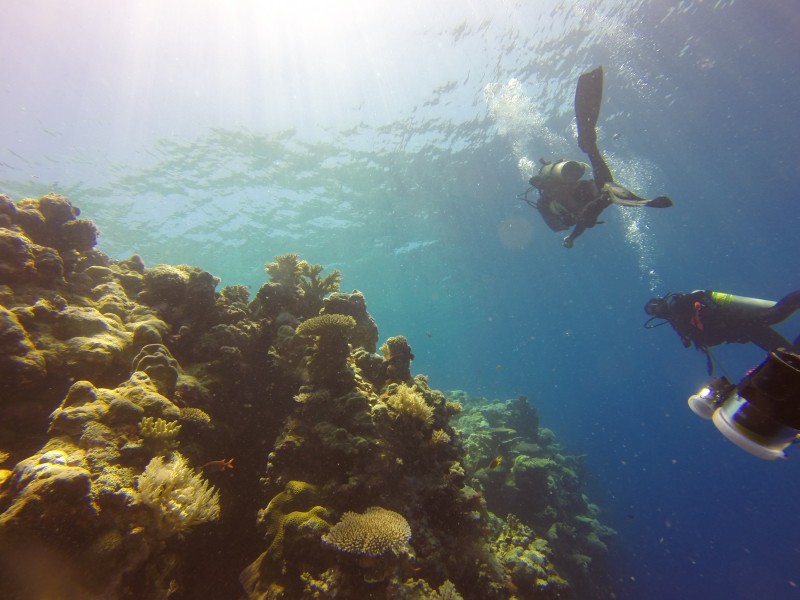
x=660, y=308
x=761, y=415
x=656, y=307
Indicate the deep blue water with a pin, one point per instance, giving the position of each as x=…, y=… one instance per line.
x=364, y=138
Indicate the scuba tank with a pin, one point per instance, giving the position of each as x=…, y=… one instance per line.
x=567, y=171
x=740, y=306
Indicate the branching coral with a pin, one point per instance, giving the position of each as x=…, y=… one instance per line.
x=439, y=436
x=178, y=497
x=526, y=558
x=286, y=271
x=406, y=403
x=160, y=434
x=314, y=288
x=375, y=532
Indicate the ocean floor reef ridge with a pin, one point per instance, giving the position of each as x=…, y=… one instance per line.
x=125, y=386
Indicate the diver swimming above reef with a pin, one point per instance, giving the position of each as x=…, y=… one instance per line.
x=705, y=318
x=567, y=200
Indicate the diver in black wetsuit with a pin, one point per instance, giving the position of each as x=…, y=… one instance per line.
x=706, y=318
x=566, y=200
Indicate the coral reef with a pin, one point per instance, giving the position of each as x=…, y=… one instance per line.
x=353, y=478
x=524, y=476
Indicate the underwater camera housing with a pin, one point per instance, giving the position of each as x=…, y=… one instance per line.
x=761, y=414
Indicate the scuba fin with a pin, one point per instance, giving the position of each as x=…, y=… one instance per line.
x=588, y=95
x=660, y=202
x=620, y=195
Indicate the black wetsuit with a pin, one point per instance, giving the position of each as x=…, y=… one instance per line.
x=561, y=204
x=701, y=321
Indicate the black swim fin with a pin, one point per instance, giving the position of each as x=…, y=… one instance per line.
x=660, y=202
x=620, y=195
x=588, y=96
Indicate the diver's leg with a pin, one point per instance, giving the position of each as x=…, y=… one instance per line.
x=588, y=96
x=768, y=339
x=783, y=309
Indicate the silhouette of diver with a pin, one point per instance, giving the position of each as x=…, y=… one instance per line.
x=566, y=200
x=705, y=318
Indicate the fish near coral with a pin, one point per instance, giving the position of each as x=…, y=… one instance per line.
x=216, y=466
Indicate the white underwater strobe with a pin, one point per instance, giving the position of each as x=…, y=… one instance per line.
x=761, y=415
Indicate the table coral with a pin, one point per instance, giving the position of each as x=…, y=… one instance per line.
x=327, y=363
x=373, y=533
x=365, y=333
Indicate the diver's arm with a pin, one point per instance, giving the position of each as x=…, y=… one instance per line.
x=576, y=232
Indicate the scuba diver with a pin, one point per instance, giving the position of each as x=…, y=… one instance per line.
x=566, y=200
x=706, y=318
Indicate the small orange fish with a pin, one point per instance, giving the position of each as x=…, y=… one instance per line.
x=496, y=462
x=218, y=465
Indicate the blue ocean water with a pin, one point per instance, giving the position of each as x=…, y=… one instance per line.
x=389, y=141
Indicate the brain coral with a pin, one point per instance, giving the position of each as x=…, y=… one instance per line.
x=376, y=532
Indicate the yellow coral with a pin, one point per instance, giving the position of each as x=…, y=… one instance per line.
x=285, y=514
x=376, y=532
x=439, y=436
x=178, y=496
x=405, y=401
x=160, y=433
x=316, y=287
x=195, y=416
x=286, y=271
x=395, y=347
x=327, y=325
